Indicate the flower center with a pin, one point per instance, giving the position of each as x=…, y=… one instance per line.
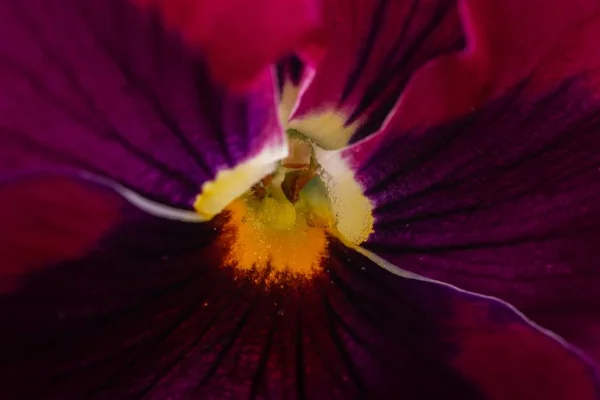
x=281, y=225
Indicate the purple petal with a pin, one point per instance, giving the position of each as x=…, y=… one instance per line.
x=499, y=351
x=374, y=48
x=504, y=201
x=100, y=86
x=149, y=311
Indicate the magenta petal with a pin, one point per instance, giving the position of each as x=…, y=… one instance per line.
x=504, y=201
x=150, y=312
x=100, y=86
x=374, y=48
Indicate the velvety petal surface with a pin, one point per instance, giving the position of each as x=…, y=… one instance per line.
x=373, y=49
x=240, y=38
x=503, y=201
x=99, y=86
x=149, y=311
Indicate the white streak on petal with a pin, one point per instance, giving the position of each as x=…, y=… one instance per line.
x=394, y=269
x=158, y=209
x=150, y=206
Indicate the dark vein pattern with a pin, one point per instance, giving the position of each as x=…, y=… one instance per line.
x=375, y=47
x=149, y=312
x=291, y=69
x=503, y=201
x=100, y=86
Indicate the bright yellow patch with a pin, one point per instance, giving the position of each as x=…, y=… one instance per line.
x=268, y=234
x=325, y=128
x=287, y=102
x=275, y=234
x=352, y=209
x=230, y=184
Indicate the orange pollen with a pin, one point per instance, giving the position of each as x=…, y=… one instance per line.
x=256, y=246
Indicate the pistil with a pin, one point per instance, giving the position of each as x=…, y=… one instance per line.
x=285, y=219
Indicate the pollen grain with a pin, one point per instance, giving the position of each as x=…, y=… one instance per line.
x=265, y=248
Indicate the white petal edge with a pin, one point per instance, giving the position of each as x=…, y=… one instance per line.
x=394, y=269
x=149, y=206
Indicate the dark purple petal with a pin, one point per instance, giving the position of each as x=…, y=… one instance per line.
x=374, y=48
x=100, y=86
x=149, y=311
x=484, y=339
x=504, y=201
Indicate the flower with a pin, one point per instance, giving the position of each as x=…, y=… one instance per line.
x=465, y=130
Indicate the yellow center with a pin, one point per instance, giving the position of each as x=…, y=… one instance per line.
x=275, y=237
x=279, y=228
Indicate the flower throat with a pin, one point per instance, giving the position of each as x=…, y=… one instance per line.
x=291, y=192
x=280, y=226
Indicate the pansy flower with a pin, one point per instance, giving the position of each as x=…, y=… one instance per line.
x=184, y=218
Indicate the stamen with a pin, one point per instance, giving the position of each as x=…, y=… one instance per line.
x=295, y=181
x=266, y=181
x=300, y=154
x=259, y=191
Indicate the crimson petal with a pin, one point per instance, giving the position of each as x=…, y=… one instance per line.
x=100, y=86
x=49, y=220
x=150, y=311
x=242, y=37
x=506, y=42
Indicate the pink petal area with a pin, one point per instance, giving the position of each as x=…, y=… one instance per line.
x=374, y=47
x=240, y=38
x=507, y=41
